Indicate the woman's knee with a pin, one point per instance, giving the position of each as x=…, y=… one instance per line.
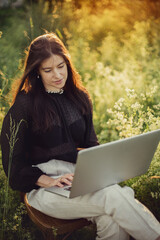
x=117, y=196
x=116, y=191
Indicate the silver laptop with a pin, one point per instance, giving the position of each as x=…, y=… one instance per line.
x=110, y=163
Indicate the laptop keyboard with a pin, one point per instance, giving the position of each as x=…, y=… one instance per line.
x=67, y=188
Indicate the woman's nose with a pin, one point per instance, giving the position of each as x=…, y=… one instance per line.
x=56, y=74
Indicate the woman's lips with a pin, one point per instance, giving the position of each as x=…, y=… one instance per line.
x=58, y=82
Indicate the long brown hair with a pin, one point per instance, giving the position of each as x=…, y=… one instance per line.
x=40, y=49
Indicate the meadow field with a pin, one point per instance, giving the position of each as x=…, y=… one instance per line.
x=115, y=46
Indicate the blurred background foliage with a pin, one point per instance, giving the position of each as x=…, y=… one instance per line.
x=115, y=46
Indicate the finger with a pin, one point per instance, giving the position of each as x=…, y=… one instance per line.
x=69, y=176
x=68, y=182
x=65, y=181
x=59, y=184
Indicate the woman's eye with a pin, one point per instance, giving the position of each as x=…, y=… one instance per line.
x=61, y=66
x=46, y=71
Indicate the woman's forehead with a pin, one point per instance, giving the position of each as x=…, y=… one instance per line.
x=54, y=60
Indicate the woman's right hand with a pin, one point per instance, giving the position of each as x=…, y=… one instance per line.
x=46, y=181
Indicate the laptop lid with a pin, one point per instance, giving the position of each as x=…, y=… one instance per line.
x=110, y=163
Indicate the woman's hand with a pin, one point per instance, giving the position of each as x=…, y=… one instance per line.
x=46, y=181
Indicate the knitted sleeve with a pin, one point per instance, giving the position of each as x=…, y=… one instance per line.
x=15, y=143
x=91, y=138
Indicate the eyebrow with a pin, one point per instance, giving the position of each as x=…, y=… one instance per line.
x=51, y=67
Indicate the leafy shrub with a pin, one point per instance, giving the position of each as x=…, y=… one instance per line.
x=12, y=211
x=14, y=224
x=132, y=115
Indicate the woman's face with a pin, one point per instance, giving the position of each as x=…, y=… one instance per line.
x=53, y=72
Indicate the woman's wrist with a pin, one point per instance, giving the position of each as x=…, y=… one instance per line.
x=45, y=181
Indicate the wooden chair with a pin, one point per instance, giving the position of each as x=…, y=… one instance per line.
x=53, y=228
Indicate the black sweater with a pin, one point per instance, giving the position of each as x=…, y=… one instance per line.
x=70, y=130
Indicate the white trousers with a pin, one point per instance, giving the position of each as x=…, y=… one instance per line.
x=115, y=211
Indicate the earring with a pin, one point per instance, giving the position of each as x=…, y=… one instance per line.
x=38, y=76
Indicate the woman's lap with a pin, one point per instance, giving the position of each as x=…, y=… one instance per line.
x=118, y=204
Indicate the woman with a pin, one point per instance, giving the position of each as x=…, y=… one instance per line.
x=54, y=114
